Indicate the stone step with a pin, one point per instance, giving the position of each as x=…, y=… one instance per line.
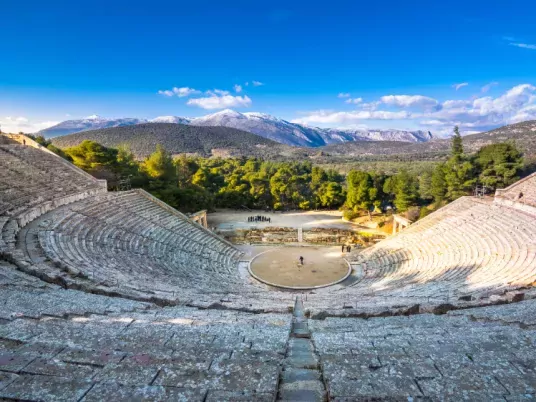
x=299, y=395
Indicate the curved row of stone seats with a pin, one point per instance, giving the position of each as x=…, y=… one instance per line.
x=25, y=296
x=469, y=355
x=33, y=182
x=521, y=194
x=467, y=249
x=127, y=244
x=176, y=353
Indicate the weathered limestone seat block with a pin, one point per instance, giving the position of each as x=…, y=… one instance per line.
x=119, y=297
x=468, y=355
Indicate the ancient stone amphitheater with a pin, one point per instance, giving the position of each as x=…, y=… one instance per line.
x=117, y=296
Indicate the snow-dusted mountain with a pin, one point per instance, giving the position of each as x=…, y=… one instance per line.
x=170, y=119
x=261, y=124
x=300, y=135
x=264, y=125
x=88, y=123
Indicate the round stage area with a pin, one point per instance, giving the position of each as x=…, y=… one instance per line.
x=281, y=267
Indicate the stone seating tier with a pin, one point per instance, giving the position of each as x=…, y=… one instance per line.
x=464, y=251
x=522, y=192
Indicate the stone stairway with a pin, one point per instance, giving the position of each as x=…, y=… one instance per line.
x=301, y=378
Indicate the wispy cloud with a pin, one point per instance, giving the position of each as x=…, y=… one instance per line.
x=474, y=114
x=354, y=101
x=343, y=95
x=331, y=117
x=257, y=83
x=220, y=92
x=409, y=101
x=220, y=102
x=180, y=92
x=237, y=88
x=523, y=45
x=487, y=87
x=460, y=85
x=17, y=124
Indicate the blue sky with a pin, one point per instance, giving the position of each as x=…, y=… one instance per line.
x=398, y=61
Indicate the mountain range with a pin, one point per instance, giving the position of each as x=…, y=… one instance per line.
x=264, y=125
x=228, y=141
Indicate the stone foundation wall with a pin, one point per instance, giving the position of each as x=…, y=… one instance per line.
x=290, y=235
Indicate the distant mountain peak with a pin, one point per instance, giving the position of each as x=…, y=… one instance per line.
x=226, y=112
x=171, y=119
x=93, y=117
x=262, y=124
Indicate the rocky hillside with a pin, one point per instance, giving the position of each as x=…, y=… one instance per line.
x=523, y=134
x=176, y=138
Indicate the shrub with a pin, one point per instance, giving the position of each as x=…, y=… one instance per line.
x=350, y=215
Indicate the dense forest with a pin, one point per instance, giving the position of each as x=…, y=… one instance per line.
x=191, y=183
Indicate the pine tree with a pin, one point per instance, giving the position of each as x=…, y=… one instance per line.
x=405, y=188
x=159, y=165
x=457, y=143
x=499, y=164
x=439, y=185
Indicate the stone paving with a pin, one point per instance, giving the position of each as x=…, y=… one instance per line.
x=450, y=357
x=176, y=353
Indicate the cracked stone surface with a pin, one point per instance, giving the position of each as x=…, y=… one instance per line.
x=450, y=357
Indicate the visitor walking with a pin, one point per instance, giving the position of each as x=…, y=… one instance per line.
x=342, y=248
x=301, y=260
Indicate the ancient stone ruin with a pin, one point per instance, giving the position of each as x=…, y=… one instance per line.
x=117, y=296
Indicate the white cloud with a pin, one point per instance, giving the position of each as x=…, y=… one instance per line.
x=331, y=117
x=343, y=95
x=355, y=101
x=257, y=83
x=409, y=101
x=220, y=102
x=238, y=88
x=180, y=92
x=17, y=124
x=453, y=104
x=17, y=120
x=472, y=115
x=487, y=87
x=166, y=93
x=524, y=45
x=460, y=85
x=221, y=92
x=484, y=113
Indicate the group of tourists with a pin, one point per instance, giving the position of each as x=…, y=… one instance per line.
x=347, y=248
x=259, y=218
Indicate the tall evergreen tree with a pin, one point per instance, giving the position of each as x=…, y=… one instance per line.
x=459, y=171
x=456, y=143
x=361, y=193
x=438, y=187
x=405, y=189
